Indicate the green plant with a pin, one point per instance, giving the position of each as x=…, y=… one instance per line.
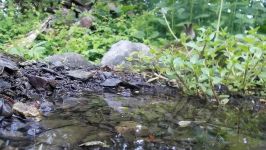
x=14, y=24
x=199, y=67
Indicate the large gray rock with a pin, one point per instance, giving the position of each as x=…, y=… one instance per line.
x=71, y=60
x=121, y=50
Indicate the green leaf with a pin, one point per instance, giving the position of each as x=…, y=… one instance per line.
x=224, y=101
x=194, y=59
x=216, y=80
x=206, y=71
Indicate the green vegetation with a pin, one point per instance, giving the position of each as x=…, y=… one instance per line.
x=227, y=57
x=204, y=67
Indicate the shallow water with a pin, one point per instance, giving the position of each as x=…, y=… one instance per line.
x=110, y=121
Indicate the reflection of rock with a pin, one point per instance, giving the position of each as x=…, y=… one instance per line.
x=131, y=128
x=72, y=102
x=80, y=74
x=119, y=51
x=71, y=60
x=63, y=138
x=98, y=135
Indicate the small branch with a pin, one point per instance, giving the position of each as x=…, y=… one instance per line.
x=167, y=23
x=214, y=92
x=31, y=36
x=157, y=76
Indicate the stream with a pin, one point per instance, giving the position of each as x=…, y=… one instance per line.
x=109, y=121
x=71, y=104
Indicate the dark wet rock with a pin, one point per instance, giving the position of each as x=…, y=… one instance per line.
x=41, y=82
x=27, y=63
x=112, y=82
x=7, y=63
x=107, y=74
x=50, y=71
x=4, y=85
x=5, y=108
x=71, y=60
x=124, y=92
x=80, y=74
x=38, y=80
x=121, y=50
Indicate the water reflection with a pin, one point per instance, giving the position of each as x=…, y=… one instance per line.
x=144, y=122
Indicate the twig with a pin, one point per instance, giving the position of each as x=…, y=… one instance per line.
x=167, y=23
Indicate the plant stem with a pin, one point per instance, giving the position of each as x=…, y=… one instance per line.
x=245, y=75
x=191, y=10
x=184, y=84
x=171, y=31
x=214, y=92
x=219, y=19
x=232, y=17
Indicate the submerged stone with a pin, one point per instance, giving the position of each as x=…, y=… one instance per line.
x=131, y=128
x=95, y=143
x=46, y=107
x=64, y=137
